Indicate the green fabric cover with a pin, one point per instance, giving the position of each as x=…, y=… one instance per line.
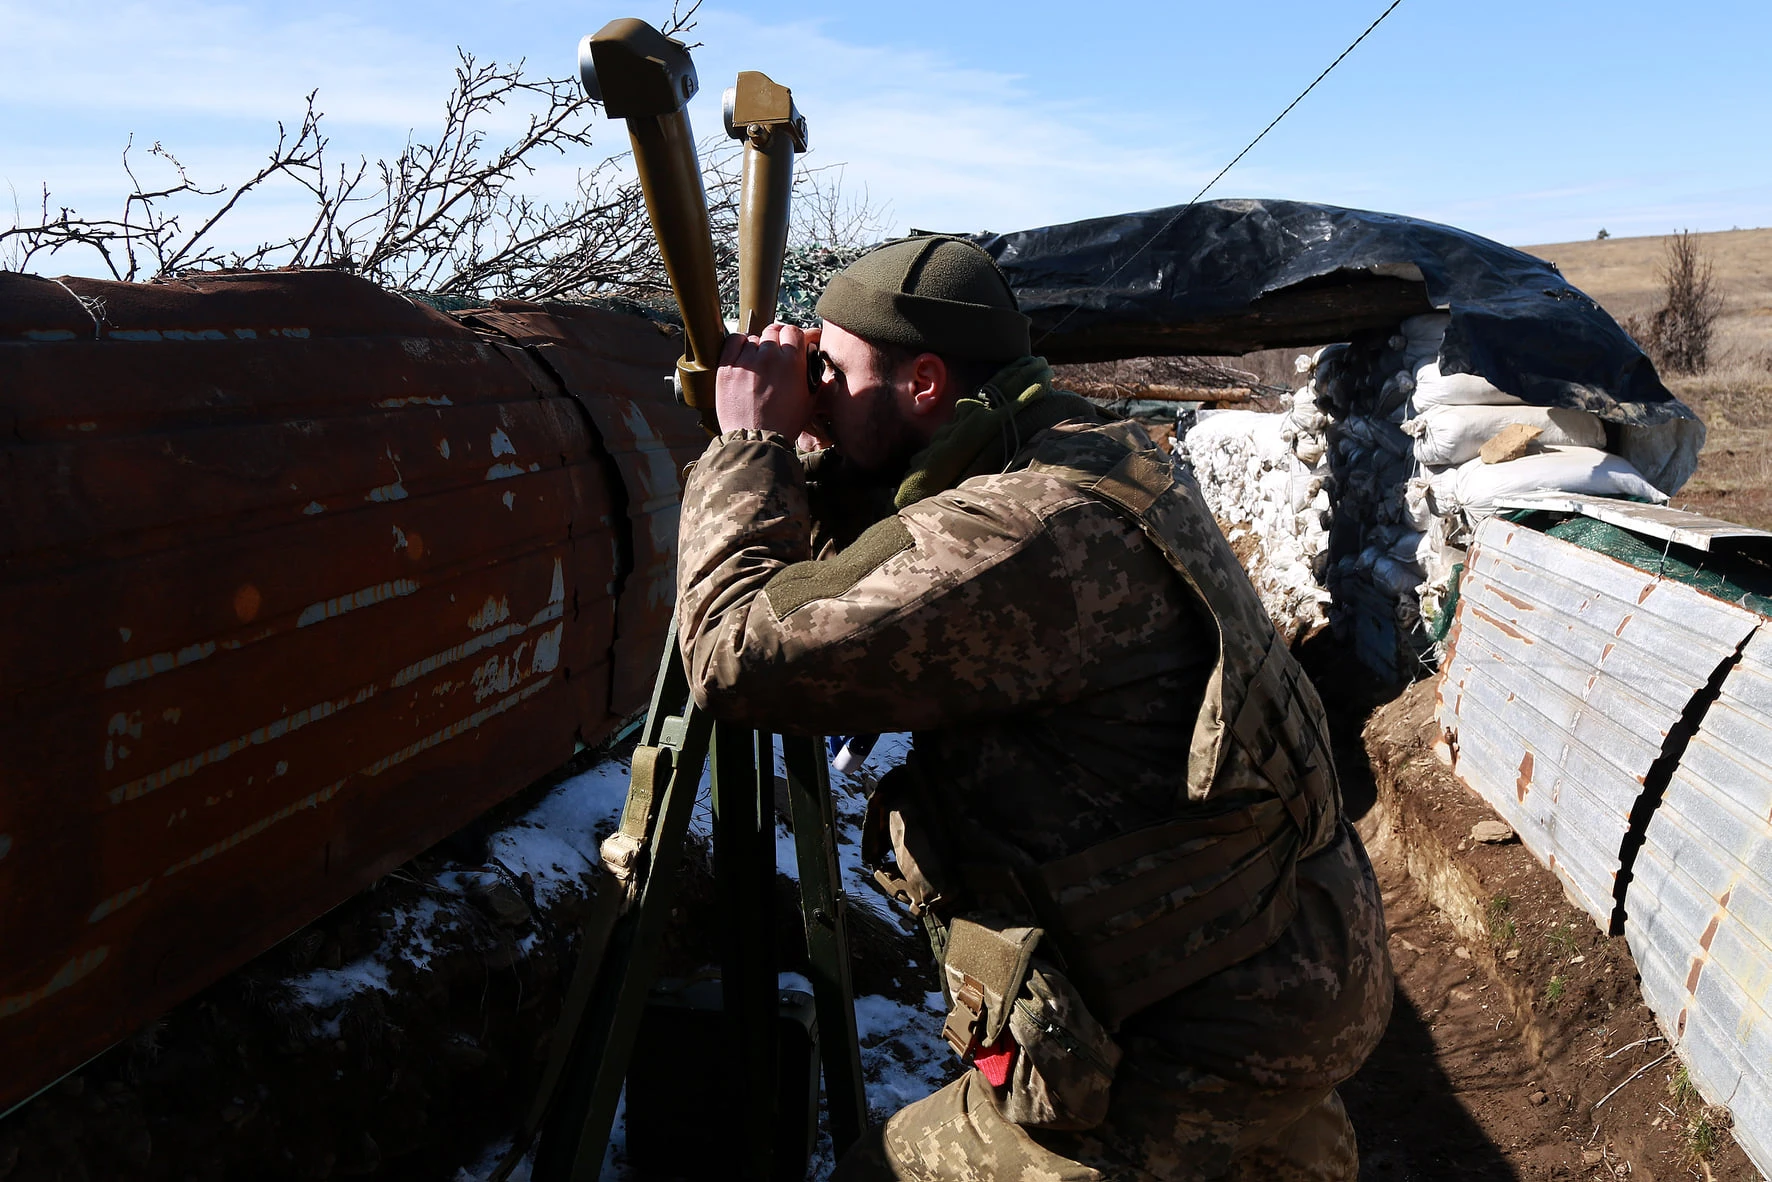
x=935, y=294
x=1737, y=578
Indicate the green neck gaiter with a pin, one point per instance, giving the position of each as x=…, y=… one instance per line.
x=1012, y=406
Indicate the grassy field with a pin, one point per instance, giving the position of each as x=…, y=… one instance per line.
x=1734, y=397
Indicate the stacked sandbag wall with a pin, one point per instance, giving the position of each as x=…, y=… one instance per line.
x=1389, y=449
x=1272, y=504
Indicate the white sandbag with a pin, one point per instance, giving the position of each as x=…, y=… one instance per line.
x=1451, y=434
x=1433, y=388
x=1476, y=486
x=1418, y=503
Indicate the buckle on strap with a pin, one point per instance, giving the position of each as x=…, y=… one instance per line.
x=984, y=968
x=961, y=1028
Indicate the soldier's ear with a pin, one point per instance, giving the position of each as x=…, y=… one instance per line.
x=929, y=381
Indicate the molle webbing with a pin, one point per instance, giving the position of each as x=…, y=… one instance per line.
x=1257, y=695
x=1150, y=912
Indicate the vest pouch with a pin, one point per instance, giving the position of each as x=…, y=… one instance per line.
x=1064, y=1061
x=900, y=843
x=983, y=968
x=1065, y=1068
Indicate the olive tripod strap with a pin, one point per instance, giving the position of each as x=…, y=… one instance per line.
x=581, y=1086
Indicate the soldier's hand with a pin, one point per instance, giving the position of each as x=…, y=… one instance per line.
x=762, y=384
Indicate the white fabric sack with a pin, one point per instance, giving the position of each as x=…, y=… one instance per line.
x=1476, y=486
x=1453, y=434
x=1433, y=388
x=1418, y=504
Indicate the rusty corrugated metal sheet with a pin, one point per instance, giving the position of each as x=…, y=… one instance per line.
x=1566, y=673
x=1699, y=905
x=299, y=577
x=650, y=439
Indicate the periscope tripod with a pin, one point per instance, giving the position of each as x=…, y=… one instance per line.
x=678, y=740
x=645, y=78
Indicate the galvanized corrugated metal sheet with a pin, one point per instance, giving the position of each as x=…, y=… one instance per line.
x=299, y=577
x=1699, y=905
x=1566, y=674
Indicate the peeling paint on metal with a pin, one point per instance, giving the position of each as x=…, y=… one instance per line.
x=144, y=668
x=480, y=643
x=457, y=728
x=269, y=733
x=387, y=492
x=225, y=475
x=415, y=400
x=68, y=974
x=310, y=801
x=493, y=611
x=119, y=900
x=325, y=610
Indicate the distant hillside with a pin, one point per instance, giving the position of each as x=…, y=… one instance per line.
x=1621, y=274
x=1734, y=478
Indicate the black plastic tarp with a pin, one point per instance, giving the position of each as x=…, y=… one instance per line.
x=1228, y=277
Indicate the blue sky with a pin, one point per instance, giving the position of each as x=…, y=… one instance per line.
x=1526, y=121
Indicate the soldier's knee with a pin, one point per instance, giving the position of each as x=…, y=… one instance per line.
x=867, y=1160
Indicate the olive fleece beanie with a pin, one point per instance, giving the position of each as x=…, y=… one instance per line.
x=934, y=294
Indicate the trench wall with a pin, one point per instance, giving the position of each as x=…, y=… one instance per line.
x=299, y=577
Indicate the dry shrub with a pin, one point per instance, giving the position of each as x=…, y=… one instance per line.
x=1678, y=335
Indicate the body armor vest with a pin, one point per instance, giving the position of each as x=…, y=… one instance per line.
x=1144, y=914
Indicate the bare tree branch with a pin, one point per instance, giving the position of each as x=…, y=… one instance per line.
x=447, y=216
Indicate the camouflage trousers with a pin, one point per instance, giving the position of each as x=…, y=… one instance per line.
x=1215, y=1129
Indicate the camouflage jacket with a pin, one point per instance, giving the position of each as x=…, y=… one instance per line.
x=1050, y=663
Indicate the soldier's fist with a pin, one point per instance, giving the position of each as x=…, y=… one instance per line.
x=762, y=384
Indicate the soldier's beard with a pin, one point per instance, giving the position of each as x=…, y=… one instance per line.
x=885, y=443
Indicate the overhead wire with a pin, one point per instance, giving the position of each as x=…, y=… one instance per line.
x=1204, y=189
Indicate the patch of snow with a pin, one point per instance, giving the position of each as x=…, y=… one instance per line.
x=903, y=1056
x=326, y=989
x=556, y=841
x=322, y=988
x=410, y=937
x=488, y=1162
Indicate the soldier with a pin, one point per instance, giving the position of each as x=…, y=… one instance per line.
x=1160, y=939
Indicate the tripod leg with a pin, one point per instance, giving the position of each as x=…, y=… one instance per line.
x=827, y=938
x=744, y=867
x=576, y=1136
